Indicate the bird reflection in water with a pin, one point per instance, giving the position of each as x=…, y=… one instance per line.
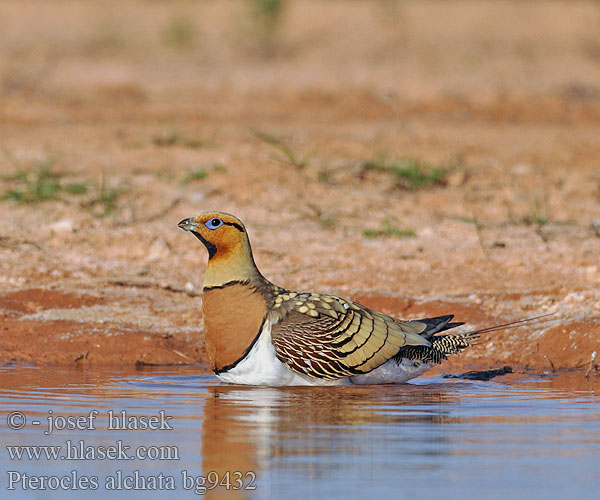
x=262, y=429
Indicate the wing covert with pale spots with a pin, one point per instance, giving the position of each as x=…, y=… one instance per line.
x=328, y=337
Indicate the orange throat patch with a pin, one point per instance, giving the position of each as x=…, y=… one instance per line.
x=233, y=316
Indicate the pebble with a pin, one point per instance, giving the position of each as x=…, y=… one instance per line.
x=62, y=226
x=475, y=299
x=159, y=250
x=574, y=297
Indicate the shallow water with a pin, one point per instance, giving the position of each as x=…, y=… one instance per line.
x=533, y=437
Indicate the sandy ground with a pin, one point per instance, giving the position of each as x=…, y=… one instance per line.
x=155, y=111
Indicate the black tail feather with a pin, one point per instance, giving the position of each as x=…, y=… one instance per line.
x=437, y=325
x=451, y=343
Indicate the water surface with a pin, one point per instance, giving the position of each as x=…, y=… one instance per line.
x=530, y=437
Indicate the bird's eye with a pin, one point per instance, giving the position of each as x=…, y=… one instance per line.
x=213, y=223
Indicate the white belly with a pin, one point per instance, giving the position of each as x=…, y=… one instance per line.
x=261, y=367
x=392, y=372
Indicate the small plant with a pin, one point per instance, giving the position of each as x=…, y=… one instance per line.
x=108, y=197
x=289, y=156
x=164, y=175
x=538, y=214
x=326, y=218
x=410, y=173
x=77, y=188
x=269, y=8
x=179, y=33
x=267, y=14
x=324, y=175
x=194, y=175
x=198, y=174
x=465, y=219
x=40, y=183
x=387, y=230
x=173, y=137
x=328, y=221
x=105, y=203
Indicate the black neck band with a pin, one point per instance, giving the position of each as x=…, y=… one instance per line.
x=212, y=250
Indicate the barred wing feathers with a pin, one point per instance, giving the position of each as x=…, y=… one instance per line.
x=327, y=337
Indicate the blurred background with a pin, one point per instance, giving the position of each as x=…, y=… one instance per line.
x=425, y=150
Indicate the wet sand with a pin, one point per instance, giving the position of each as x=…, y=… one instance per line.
x=159, y=111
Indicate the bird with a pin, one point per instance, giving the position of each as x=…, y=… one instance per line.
x=258, y=333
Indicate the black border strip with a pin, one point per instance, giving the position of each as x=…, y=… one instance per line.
x=246, y=352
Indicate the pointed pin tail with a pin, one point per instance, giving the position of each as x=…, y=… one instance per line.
x=475, y=334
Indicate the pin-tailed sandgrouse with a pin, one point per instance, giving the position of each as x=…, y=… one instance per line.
x=258, y=333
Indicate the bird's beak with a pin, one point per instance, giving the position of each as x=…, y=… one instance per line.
x=188, y=224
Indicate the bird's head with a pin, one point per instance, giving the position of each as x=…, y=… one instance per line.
x=229, y=253
x=221, y=233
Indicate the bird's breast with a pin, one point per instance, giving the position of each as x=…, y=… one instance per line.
x=233, y=316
